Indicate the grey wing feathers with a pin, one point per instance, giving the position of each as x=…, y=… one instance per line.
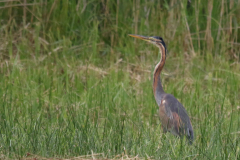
x=173, y=105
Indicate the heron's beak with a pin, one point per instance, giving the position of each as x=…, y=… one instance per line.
x=148, y=39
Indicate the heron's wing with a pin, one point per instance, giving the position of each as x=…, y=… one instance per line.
x=177, y=115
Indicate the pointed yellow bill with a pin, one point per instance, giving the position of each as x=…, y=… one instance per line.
x=140, y=37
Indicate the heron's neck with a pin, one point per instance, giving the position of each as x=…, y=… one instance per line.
x=157, y=85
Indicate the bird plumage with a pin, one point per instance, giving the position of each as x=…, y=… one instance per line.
x=178, y=121
x=173, y=116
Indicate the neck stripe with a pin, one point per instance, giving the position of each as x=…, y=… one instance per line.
x=158, y=68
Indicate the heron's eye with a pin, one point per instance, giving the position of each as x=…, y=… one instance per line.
x=159, y=38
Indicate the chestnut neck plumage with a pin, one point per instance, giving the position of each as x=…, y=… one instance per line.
x=157, y=85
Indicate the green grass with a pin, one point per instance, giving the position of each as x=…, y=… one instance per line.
x=64, y=109
x=73, y=83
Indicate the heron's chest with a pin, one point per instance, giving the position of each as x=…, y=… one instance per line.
x=164, y=114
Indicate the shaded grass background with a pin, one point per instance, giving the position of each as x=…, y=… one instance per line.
x=73, y=82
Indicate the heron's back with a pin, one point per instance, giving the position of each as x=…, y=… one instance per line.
x=177, y=116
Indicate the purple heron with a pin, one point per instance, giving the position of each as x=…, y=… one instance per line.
x=173, y=116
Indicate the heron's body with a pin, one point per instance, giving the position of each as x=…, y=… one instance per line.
x=173, y=115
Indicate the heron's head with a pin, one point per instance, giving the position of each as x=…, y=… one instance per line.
x=154, y=40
